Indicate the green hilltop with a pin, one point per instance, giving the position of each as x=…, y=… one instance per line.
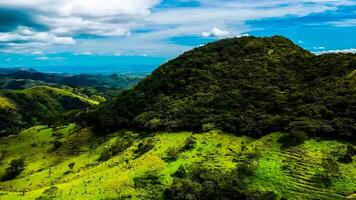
x=246, y=85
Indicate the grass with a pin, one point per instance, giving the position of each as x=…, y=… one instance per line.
x=59, y=92
x=6, y=103
x=288, y=172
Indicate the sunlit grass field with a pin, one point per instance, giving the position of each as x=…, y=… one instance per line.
x=289, y=172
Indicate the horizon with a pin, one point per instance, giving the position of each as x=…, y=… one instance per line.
x=138, y=36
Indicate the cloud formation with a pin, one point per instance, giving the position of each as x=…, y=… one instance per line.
x=216, y=32
x=351, y=50
x=138, y=26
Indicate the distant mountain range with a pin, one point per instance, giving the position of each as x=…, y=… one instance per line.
x=21, y=78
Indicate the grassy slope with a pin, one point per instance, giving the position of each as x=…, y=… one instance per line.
x=46, y=91
x=6, y=103
x=288, y=172
x=59, y=92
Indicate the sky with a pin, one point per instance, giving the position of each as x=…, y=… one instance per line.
x=104, y=36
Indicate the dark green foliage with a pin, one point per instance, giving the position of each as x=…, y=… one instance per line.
x=120, y=144
x=105, y=155
x=49, y=193
x=14, y=169
x=181, y=172
x=347, y=156
x=149, y=178
x=151, y=181
x=293, y=139
x=56, y=145
x=172, y=154
x=242, y=85
x=71, y=165
x=330, y=170
x=205, y=183
x=189, y=143
x=208, y=127
x=144, y=147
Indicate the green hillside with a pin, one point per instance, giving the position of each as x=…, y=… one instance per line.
x=72, y=163
x=245, y=85
x=243, y=118
x=39, y=105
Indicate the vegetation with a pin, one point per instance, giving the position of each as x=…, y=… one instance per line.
x=167, y=137
x=246, y=85
x=39, y=105
x=14, y=169
x=218, y=166
x=15, y=79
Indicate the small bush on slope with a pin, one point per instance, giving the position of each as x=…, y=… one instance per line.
x=14, y=169
x=120, y=144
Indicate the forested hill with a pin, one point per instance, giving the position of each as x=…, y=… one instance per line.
x=245, y=85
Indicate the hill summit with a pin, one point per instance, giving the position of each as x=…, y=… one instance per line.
x=245, y=85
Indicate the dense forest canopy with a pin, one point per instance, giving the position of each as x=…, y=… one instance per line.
x=245, y=85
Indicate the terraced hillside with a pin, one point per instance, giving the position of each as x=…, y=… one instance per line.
x=38, y=105
x=72, y=163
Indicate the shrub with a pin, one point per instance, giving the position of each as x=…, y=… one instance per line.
x=208, y=127
x=14, y=169
x=120, y=144
x=105, y=155
x=144, y=147
x=347, y=157
x=148, y=178
x=189, y=143
x=56, y=145
x=207, y=183
x=181, y=172
x=330, y=170
x=293, y=139
x=50, y=193
x=71, y=165
x=172, y=154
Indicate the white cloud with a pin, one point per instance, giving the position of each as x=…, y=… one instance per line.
x=37, y=52
x=41, y=58
x=318, y=48
x=49, y=58
x=351, y=50
x=27, y=35
x=243, y=35
x=344, y=23
x=216, y=32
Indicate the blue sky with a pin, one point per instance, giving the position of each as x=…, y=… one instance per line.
x=83, y=36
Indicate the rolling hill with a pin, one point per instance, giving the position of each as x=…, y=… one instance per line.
x=39, y=105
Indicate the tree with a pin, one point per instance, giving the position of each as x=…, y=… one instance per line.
x=14, y=169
